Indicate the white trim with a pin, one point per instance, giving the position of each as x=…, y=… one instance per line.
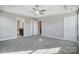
x=7, y=38
x=10, y=38
x=53, y=37
x=42, y=35
x=28, y=35
x=58, y=37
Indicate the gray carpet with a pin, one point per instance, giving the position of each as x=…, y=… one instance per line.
x=38, y=42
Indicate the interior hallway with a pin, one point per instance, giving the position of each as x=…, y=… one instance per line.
x=38, y=45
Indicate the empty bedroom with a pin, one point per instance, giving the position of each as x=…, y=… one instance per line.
x=39, y=29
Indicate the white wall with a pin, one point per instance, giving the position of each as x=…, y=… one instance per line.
x=34, y=27
x=30, y=27
x=27, y=27
x=78, y=27
x=70, y=28
x=53, y=26
x=7, y=26
x=61, y=26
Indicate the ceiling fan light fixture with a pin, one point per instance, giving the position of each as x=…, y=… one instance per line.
x=36, y=12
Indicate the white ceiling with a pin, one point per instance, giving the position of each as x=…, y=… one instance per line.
x=27, y=9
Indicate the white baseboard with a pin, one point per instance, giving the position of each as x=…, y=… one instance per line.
x=53, y=37
x=27, y=35
x=10, y=38
x=30, y=35
x=58, y=38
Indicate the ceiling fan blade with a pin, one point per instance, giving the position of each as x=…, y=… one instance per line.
x=42, y=10
x=34, y=9
x=42, y=13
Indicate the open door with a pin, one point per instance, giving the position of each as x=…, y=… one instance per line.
x=40, y=27
x=20, y=28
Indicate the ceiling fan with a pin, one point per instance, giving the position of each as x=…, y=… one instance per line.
x=37, y=11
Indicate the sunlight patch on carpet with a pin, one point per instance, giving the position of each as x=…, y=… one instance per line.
x=41, y=51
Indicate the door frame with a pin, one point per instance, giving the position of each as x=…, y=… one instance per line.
x=18, y=27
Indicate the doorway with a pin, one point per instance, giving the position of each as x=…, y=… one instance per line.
x=39, y=27
x=20, y=28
